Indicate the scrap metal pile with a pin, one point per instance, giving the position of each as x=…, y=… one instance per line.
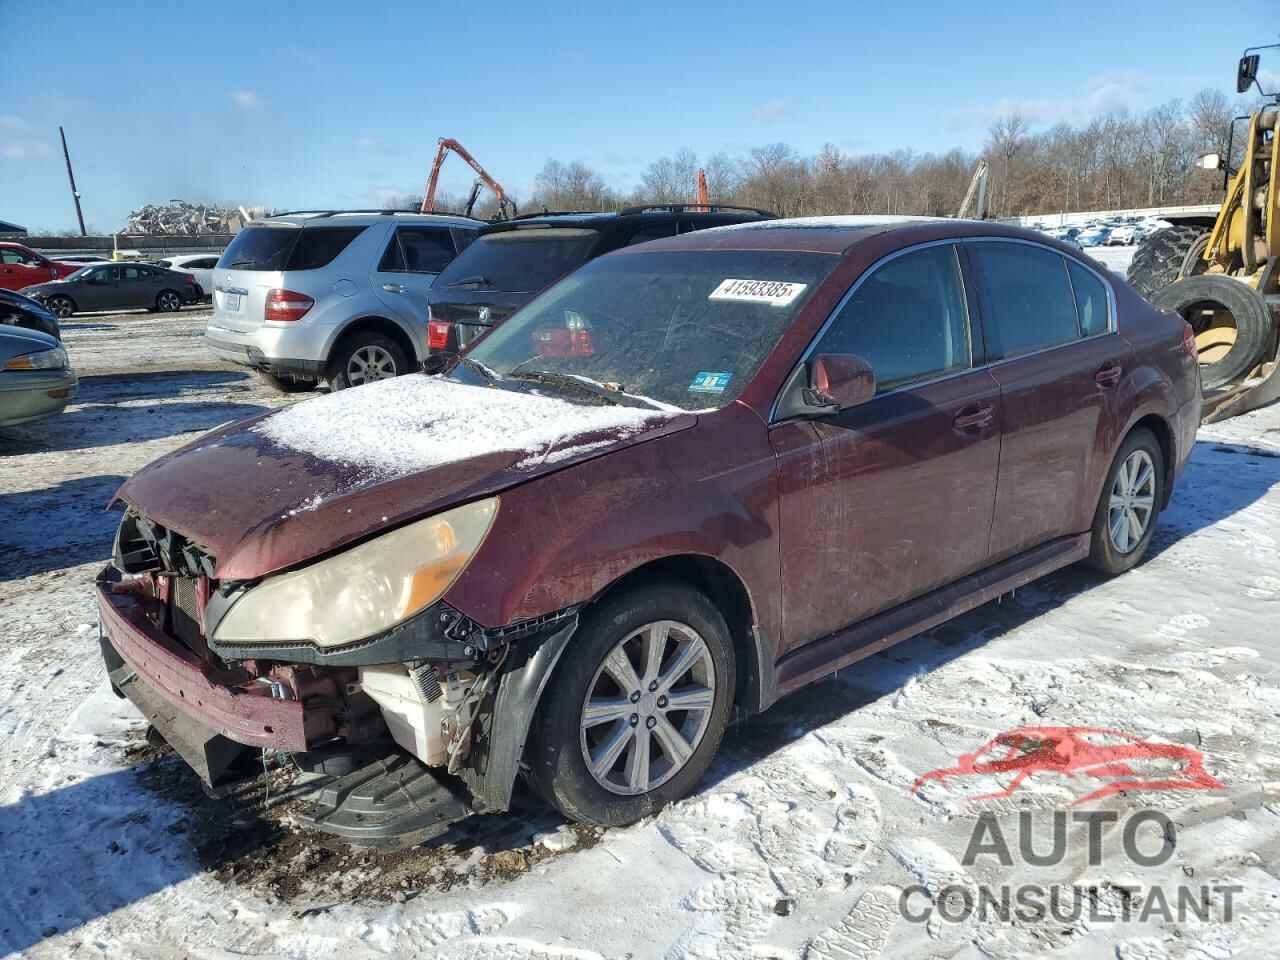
x=179, y=218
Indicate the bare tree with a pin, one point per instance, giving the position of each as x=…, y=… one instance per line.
x=571, y=186
x=1006, y=139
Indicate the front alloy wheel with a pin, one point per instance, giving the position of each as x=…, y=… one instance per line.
x=648, y=707
x=62, y=307
x=637, y=706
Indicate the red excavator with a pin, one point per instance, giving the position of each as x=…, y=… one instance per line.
x=506, y=206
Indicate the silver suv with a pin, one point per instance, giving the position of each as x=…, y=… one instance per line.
x=331, y=295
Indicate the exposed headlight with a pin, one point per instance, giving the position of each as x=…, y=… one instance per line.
x=55, y=359
x=364, y=590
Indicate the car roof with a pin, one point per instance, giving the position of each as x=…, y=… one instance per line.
x=629, y=216
x=834, y=235
x=363, y=218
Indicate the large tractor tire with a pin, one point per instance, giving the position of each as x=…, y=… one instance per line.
x=1159, y=258
x=1231, y=322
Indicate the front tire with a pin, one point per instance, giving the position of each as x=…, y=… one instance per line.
x=62, y=307
x=638, y=706
x=364, y=358
x=1130, y=503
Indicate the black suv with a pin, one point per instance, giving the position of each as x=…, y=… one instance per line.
x=512, y=261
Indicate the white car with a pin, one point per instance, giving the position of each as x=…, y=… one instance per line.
x=199, y=265
x=1123, y=236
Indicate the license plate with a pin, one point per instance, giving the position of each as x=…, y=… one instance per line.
x=231, y=301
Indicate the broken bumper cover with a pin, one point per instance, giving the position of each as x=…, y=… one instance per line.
x=177, y=677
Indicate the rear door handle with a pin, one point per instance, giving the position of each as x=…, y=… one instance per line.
x=1108, y=375
x=976, y=416
x=395, y=288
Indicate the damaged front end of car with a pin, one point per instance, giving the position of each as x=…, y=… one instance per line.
x=403, y=714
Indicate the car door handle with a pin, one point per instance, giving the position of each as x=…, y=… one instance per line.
x=1108, y=375
x=976, y=416
x=395, y=288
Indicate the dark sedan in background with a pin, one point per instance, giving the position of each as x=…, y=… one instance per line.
x=117, y=286
x=19, y=311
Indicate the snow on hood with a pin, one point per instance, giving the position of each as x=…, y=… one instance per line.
x=402, y=426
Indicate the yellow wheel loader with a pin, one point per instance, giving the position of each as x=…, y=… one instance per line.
x=1225, y=280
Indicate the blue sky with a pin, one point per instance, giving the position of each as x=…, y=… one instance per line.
x=255, y=104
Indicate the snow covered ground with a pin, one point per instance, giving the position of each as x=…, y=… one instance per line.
x=800, y=842
x=1113, y=258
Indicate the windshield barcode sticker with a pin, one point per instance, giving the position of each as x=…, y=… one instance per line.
x=779, y=293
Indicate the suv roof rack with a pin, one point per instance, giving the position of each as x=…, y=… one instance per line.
x=382, y=211
x=559, y=213
x=694, y=208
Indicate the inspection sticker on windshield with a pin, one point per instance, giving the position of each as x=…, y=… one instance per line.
x=778, y=293
x=709, y=382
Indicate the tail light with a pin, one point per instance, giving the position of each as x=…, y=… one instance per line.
x=438, y=334
x=573, y=340
x=189, y=280
x=1189, y=342
x=287, y=305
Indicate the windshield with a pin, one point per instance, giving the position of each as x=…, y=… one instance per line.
x=518, y=261
x=686, y=329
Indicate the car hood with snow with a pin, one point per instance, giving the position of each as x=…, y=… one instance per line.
x=274, y=491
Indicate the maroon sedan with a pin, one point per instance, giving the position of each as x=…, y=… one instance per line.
x=693, y=475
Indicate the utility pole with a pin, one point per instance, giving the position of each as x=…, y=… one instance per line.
x=75, y=194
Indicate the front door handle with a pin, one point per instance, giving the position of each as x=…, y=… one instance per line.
x=1108, y=375
x=395, y=288
x=974, y=417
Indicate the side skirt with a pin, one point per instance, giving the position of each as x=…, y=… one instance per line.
x=836, y=651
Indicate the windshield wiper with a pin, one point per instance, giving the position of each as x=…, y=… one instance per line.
x=479, y=367
x=240, y=263
x=476, y=281
x=594, y=388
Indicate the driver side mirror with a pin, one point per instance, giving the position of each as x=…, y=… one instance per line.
x=1247, y=72
x=827, y=384
x=1210, y=161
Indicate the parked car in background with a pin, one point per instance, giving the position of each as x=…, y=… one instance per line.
x=117, y=286
x=1123, y=236
x=331, y=295
x=83, y=258
x=514, y=259
x=573, y=556
x=199, y=265
x=17, y=310
x=20, y=266
x=36, y=379
x=1093, y=236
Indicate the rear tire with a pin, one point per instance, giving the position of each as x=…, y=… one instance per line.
x=1115, y=546
x=1248, y=310
x=168, y=301
x=285, y=384
x=563, y=737
x=1159, y=258
x=364, y=357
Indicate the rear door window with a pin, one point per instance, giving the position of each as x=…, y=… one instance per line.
x=1092, y=308
x=519, y=261
x=318, y=246
x=908, y=319
x=1027, y=302
x=417, y=250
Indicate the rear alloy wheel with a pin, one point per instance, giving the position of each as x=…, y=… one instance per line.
x=1126, y=516
x=639, y=704
x=168, y=302
x=62, y=307
x=366, y=358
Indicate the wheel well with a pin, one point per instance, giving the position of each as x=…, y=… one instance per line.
x=1164, y=436
x=725, y=589
x=388, y=328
